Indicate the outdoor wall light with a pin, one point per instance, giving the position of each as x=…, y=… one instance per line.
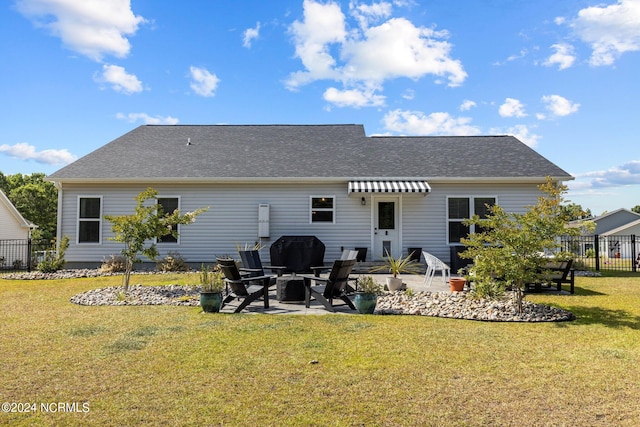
x=363, y=201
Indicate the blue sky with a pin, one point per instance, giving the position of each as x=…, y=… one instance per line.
x=562, y=76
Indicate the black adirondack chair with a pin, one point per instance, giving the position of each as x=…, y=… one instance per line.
x=252, y=264
x=335, y=286
x=241, y=288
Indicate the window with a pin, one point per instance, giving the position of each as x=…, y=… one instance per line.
x=322, y=209
x=167, y=205
x=461, y=208
x=89, y=219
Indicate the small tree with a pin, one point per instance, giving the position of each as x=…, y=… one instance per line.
x=511, y=246
x=139, y=230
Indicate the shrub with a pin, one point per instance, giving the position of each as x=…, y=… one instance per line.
x=368, y=285
x=114, y=264
x=488, y=289
x=173, y=262
x=54, y=260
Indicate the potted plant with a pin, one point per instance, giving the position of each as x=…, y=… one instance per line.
x=367, y=291
x=456, y=284
x=395, y=266
x=211, y=285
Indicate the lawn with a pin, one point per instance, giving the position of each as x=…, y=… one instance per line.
x=116, y=366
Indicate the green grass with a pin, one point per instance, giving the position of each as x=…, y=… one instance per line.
x=176, y=366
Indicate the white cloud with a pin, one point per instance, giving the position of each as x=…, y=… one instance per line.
x=353, y=98
x=560, y=106
x=397, y=48
x=323, y=25
x=203, y=82
x=511, y=108
x=147, y=119
x=409, y=94
x=368, y=55
x=610, y=30
x=467, y=105
x=417, y=123
x=626, y=174
x=522, y=132
x=564, y=56
x=366, y=14
x=251, y=34
x=25, y=151
x=119, y=79
x=93, y=28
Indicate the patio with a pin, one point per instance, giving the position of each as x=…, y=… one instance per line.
x=413, y=282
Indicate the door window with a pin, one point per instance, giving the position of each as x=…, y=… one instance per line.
x=386, y=216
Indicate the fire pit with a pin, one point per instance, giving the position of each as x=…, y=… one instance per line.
x=290, y=288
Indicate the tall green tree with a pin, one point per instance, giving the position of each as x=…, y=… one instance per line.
x=574, y=211
x=510, y=246
x=139, y=230
x=636, y=209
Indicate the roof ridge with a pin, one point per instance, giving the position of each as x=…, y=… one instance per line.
x=252, y=125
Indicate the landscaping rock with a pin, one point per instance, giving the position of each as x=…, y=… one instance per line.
x=462, y=305
x=456, y=305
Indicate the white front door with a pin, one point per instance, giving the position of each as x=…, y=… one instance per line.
x=386, y=227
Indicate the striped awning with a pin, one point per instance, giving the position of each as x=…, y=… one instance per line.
x=389, y=187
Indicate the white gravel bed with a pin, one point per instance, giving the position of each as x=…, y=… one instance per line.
x=457, y=305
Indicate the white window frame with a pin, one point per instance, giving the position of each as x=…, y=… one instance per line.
x=177, y=242
x=470, y=213
x=332, y=209
x=98, y=220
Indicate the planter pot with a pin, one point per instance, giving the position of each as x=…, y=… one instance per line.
x=365, y=303
x=456, y=285
x=210, y=301
x=394, y=283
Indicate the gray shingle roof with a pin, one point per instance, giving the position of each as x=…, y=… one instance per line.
x=184, y=152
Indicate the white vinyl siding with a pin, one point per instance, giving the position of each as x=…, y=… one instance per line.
x=10, y=227
x=232, y=217
x=424, y=219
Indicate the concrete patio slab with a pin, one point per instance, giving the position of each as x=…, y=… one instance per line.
x=413, y=282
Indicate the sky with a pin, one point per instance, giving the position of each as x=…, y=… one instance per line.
x=562, y=76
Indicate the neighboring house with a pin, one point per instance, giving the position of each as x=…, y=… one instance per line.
x=12, y=224
x=14, y=232
x=620, y=221
x=265, y=181
x=616, y=231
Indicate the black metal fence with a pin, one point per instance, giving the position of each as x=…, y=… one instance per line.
x=22, y=254
x=621, y=253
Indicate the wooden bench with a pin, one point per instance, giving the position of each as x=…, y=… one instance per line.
x=558, y=273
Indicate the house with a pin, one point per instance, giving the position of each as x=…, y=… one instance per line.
x=616, y=231
x=12, y=224
x=260, y=182
x=620, y=221
x=15, y=230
